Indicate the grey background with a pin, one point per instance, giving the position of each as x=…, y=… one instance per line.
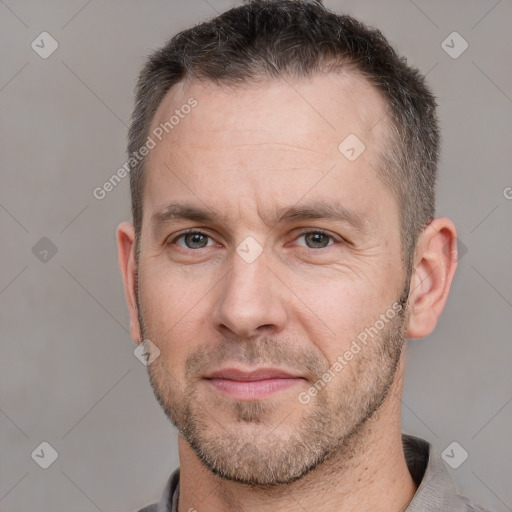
x=67, y=369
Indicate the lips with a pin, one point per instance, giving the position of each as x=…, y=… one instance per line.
x=252, y=385
x=249, y=376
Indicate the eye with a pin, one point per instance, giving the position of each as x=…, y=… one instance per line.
x=316, y=239
x=193, y=240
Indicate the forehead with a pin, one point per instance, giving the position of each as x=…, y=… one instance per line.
x=324, y=108
x=274, y=142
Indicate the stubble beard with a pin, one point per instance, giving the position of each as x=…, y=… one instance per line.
x=255, y=445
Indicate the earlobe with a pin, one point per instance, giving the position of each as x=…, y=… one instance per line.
x=435, y=264
x=126, y=260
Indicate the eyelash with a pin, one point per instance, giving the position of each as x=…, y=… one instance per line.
x=302, y=233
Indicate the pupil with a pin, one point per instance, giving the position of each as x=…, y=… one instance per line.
x=195, y=238
x=316, y=238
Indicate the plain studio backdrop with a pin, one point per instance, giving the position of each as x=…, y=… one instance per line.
x=68, y=374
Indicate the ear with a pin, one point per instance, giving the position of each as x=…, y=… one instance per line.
x=126, y=248
x=435, y=264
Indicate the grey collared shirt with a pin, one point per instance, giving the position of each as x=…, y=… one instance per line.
x=436, y=489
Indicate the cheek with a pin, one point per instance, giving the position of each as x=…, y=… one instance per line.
x=334, y=312
x=173, y=311
x=170, y=294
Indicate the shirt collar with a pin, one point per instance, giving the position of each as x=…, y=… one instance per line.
x=436, y=489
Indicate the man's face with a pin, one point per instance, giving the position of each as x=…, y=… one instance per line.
x=260, y=289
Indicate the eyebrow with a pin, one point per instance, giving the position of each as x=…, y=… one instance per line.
x=320, y=209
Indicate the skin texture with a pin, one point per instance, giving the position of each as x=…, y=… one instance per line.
x=299, y=306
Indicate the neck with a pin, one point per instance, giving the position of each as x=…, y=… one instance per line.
x=368, y=473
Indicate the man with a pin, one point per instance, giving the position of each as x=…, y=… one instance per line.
x=283, y=249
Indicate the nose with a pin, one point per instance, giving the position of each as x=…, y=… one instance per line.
x=251, y=300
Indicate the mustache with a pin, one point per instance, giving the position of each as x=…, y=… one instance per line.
x=263, y=351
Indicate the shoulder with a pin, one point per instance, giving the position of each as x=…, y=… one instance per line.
x=474, y=507
x=169, y=496
x=149, y=508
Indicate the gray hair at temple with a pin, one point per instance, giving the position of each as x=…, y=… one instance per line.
x=268, y=39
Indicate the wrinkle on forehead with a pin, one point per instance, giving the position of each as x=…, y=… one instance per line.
x=308, y=95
